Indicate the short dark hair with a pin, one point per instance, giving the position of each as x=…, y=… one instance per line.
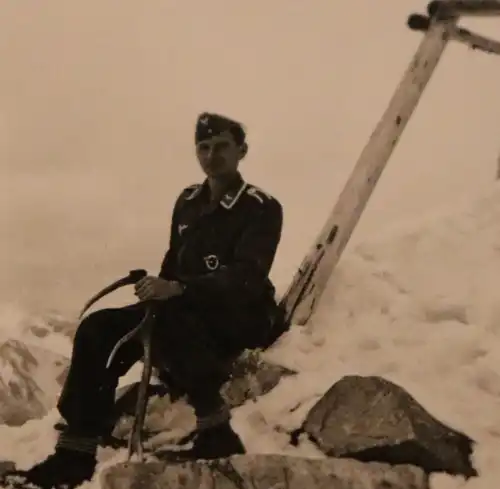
x=209, y=124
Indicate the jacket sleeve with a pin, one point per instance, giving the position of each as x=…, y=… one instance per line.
x=247, y=274
x=167, y=269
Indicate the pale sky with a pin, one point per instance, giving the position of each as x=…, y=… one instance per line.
x=98, y=101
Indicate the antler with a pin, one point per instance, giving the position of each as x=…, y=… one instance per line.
x=143, y=330
x=133, y=277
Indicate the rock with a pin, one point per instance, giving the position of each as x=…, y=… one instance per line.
x=252, y=377
x=28, y=381
x=264, y=472
x=372, y=419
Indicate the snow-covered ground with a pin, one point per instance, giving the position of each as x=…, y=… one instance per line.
x=419, y=305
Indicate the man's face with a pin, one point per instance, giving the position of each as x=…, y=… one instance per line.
x=219, y=155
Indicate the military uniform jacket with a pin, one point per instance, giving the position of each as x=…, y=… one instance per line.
x=223, y=253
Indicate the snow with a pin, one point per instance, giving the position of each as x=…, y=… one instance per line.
x=418, y=304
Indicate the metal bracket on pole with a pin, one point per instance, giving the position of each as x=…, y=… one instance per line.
x=475, y=41
x=442, y=9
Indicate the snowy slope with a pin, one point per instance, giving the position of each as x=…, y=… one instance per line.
x=419, y=305
x=34, y=353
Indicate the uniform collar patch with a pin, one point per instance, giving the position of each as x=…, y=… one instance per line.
x=228, y=200
x=231, y=197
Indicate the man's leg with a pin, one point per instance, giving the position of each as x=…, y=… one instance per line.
x=230, y=331
x=196, y=362
x=87, y=397
x=192, y=357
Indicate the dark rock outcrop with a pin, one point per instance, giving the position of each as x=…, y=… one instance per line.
x=372, y=419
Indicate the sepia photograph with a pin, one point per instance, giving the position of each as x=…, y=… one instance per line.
x=250, y=244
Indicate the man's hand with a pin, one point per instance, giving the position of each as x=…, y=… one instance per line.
x=157, y=288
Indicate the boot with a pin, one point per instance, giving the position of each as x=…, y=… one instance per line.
x=218, y=441
x=64, y=468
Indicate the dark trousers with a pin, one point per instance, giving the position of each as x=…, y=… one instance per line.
x=195, y=346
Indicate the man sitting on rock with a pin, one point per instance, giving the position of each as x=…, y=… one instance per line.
x=214, y=300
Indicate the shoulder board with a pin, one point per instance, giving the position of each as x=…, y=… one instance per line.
x=258, y=194
x=191, y=191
